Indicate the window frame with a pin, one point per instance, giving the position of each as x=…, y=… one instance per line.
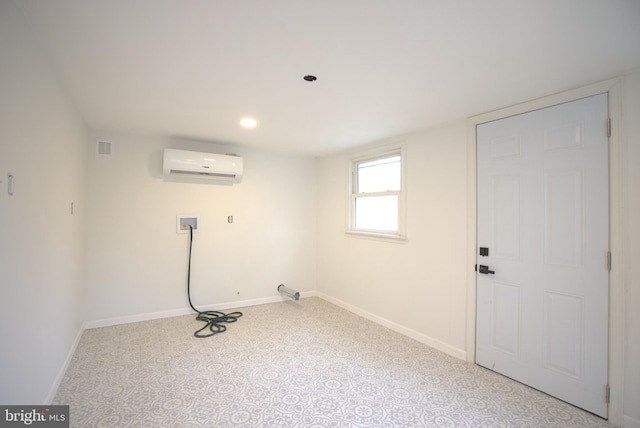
x=398, y=149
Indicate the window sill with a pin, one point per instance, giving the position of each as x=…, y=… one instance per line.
x=398, y=239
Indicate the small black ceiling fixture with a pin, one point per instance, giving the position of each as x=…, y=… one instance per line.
x=310, y=78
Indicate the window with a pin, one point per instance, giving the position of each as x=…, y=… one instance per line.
x=377, y=194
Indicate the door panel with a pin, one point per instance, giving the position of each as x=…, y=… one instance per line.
x=563, y=333
x=542, y=316
x=506, y=317
x=563, y=218
x=506, y=216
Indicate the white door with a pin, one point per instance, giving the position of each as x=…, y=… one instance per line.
x=543, y=242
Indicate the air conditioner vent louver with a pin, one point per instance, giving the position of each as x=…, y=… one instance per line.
x=201, y=174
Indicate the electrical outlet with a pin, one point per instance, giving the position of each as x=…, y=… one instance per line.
x=184, y=221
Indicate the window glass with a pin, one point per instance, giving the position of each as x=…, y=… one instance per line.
x=377, y=213
x=380, y=175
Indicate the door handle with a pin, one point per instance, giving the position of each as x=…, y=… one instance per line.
x=485, y=270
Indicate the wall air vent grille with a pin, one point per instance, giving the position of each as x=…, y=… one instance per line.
x=104, y=148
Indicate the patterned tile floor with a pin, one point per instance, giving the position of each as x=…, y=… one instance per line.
x=293, y=364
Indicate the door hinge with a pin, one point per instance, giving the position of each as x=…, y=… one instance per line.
x=609, y=127
x=607, y=394
x=609, y=261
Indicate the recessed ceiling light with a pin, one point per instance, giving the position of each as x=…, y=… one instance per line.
x=310, y=78
x=247, y=122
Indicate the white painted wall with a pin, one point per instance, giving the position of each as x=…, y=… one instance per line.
x=136, y=263
x=631, y=258
x=41, y=243
x=420, y=284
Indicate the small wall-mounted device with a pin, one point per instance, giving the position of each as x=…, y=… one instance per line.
x=10, y=185
x=184, y=221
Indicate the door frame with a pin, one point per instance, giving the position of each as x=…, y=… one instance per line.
x=613, y=88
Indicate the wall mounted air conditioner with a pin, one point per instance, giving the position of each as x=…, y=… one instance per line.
x=183, y=163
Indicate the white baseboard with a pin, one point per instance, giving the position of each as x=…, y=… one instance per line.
x=63, y=369
x=422, y=338
x=630, y=422
x=107, y=322
x=127, y=319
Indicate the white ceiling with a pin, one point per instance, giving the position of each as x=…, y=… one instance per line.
x=193, y=68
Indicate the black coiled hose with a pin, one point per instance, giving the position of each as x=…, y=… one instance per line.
x=214, y=319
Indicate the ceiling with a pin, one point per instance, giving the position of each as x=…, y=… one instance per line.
x=192, y=69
